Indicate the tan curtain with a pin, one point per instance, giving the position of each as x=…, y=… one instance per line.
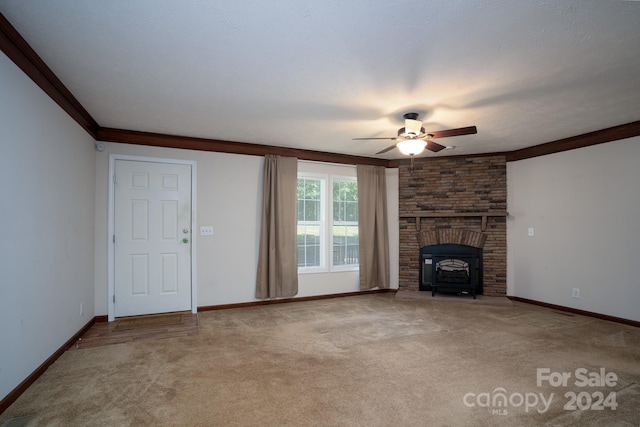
x=373, y=227
x=277, y=259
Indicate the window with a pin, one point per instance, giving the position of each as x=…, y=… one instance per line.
x=344, y=230
x=320, y=240
x=310, y=206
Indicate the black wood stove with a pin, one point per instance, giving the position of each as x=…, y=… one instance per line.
x=451, y=268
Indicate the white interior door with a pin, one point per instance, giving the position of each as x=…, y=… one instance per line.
x=152, y=237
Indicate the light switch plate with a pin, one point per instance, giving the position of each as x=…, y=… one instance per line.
x=531, y=233
x=206, y=230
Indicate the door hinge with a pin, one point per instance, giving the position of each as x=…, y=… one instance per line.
x=114, y=238
x=114, y=178
x=114, y=298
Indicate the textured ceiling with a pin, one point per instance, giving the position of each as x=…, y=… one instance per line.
x=315, y=74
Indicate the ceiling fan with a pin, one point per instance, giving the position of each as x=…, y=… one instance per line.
x=412, y=138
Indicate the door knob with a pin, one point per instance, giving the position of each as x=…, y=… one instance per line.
x=185, y=230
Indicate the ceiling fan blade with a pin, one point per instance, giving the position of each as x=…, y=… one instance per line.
x=453, y=132
x=434, y=146
x=387, y=149
x=391, y=138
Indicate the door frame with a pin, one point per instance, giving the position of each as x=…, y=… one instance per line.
x=111, y=227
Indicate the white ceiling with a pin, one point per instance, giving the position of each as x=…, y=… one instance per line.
x=314, y=74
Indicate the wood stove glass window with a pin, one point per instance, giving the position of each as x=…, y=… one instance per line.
x=452, y=271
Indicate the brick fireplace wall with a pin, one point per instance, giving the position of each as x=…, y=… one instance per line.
x=455, y=184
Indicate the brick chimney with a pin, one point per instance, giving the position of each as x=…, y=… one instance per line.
x=462, y=187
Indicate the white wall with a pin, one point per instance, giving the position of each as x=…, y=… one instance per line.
x=584, y=207
x=46, y=249
x=229, y=196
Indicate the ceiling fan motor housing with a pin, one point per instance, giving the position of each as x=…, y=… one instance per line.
x=412, y=126
x=402, y=133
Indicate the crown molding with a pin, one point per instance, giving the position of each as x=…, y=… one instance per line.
x=233, y=147
x=19, y=51
x=614, y=133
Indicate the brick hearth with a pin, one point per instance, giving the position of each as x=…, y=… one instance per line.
x=454, y=185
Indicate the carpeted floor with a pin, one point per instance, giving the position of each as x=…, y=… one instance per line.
x=370, y=360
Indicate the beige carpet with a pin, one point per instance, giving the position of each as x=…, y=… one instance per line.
x=370, y=360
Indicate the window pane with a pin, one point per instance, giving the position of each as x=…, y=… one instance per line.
x=300, y=209
x=345, y=200
x=338, y=210
x=345, y=245
x=309, y=199
x=351, y=211
x=311, y=210
x=308, y=245
x=348, y=190
x=312, y=189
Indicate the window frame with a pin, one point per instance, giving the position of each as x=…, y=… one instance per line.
x=326, y=223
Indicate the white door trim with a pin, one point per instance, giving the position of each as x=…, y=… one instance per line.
x=111, y=227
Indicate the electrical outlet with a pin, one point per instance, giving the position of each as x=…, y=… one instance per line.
x=531, y=233
x=206, y=230
x=81, y=309
x=575, y=292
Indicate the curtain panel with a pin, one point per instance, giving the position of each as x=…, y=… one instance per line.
x=277, y=274
x=373, y=227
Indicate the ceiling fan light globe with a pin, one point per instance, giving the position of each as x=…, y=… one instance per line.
x=410, y=147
